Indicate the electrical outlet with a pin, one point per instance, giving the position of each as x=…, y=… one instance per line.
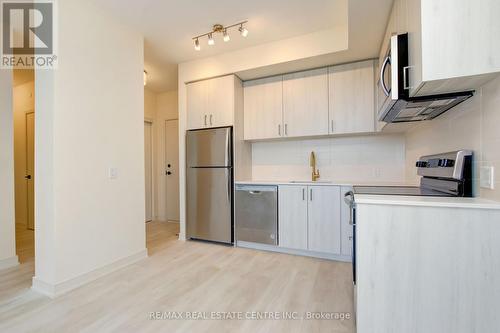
x=487, y=177
x=113, y=173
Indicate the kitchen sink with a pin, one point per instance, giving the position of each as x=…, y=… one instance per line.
x=310, y=181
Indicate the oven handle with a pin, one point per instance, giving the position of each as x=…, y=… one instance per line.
x=349, y=200
x=386, y=62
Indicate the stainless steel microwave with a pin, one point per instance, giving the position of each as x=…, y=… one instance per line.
x=394, y=86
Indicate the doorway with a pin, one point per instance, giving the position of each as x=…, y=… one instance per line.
x=172, y=160
x=148, y=167
x=24, y=162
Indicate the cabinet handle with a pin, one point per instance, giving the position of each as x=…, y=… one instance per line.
x=332, y=126
x=211, y=120
x=205, y=120
x=286, y=129
x=303, y=194
x=311, y=194
x=279, y=130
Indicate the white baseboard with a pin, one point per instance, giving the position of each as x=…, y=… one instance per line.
x=306, y=253
x=55, y=290
x=9, y=262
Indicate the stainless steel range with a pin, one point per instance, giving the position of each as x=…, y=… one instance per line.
x=447, y=174
x=443, y=175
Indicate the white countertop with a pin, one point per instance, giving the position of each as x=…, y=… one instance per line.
x=317, y=183
x=450, y=202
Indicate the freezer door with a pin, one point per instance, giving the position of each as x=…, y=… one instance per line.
x=209, y=147
x=209, y=203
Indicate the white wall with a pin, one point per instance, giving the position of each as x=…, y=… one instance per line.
x=167, y=109
x=149, y=104
x=363, y=159
x=24, y=101
x=475, y=124
x=90, y=117
x=7, y=216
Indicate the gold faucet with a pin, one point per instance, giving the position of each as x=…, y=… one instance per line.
x=315, y=172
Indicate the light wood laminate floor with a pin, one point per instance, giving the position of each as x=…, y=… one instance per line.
x=187, y=276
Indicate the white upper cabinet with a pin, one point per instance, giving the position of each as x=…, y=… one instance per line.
x=305, y=103
x=292, y=217
x=352, y=98
x=211, y=103
x=324, y=232
x=453, y=44
x=263, y=105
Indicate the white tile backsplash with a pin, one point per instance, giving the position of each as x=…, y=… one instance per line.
x=474, y=124
x=375, y=158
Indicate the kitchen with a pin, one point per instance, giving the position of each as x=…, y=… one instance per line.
x=326, y=159
x=263, y=166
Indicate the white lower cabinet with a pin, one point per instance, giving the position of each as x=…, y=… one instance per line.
x=324, y=219
x=309, y=218
x=292, y=217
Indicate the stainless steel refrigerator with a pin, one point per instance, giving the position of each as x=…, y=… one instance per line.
x=210, y=184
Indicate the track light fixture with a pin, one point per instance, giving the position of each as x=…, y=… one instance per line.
x=219, y=28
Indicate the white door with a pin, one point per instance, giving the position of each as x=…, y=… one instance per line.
x=352, y=98
x=292, y=217
x=148, y=167
x=324, y=219
x=197, y=100
x=263, y=108
x=30, y=167
x=305, y=103
x=172, y=160
x=220, y=106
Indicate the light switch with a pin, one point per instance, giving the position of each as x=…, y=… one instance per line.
x=487, y=177
x=113, y=173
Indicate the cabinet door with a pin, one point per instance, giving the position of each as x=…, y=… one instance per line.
x=292, y=217
x=324, y=219
x=345, y=227
x=263, y=110
x=197, y=100
x=352, y=98
x=220, y=101
x=305, y=103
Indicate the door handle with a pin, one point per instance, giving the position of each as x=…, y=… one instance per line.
x=387, y=61
x=27, y=177
x=169, y=173
x=254, y=192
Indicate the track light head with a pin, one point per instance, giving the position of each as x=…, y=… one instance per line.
x=211, y=40
x=197, y=44
x=226, y=36
x=243, y=31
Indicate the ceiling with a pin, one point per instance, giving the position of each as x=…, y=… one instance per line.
x=169, y=25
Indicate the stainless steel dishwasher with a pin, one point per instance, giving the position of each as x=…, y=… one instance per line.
x=256, y=216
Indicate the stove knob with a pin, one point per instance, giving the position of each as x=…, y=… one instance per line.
x=446, y=163
x=421, y=164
